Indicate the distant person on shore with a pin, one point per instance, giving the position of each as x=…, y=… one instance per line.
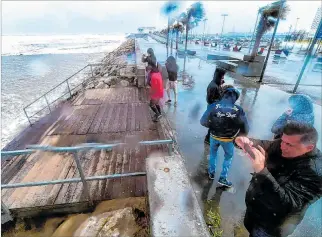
x=287, y=179
x=214, y=91
x=301, y=110
x=225, y=120
x=156, y=92
x=151, y=60
x=172, y=69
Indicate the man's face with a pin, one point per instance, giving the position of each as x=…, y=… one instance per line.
x=222, y=80
x=292, y=146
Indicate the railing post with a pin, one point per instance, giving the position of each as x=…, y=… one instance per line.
x=170, y=149
x=47, y=103
x=82, y=176
x=92, y=70
x=70, y=93
x=24, y=109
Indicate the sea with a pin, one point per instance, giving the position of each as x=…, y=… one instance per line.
x=31, y=65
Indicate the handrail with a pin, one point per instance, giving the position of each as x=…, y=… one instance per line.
x=91, y=65
x=74, y=150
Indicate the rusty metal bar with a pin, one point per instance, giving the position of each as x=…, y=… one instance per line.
x=47, y=103
x=82, y=176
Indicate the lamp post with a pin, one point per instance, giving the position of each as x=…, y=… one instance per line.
x=272, y=40
x=297, y=19
x=204, y=28
x=288, y=35
x=309, y=56
x=250, y=44
x=223, y=23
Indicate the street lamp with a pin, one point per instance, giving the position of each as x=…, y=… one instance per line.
x=223, y=23
x=204, y=28
x=297, y=19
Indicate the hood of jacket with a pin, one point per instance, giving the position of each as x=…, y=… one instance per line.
x=301, y=104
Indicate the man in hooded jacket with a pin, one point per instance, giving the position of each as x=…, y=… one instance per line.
x=214, y=91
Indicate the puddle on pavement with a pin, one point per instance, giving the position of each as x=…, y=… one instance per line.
x=68, y=224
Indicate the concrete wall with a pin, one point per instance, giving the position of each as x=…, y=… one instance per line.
x=140, y=66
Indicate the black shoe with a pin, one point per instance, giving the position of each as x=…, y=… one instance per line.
x=225, y=182
x=168, y=102
x=211, y=176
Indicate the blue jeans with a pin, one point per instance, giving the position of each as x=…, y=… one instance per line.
x=229, y=152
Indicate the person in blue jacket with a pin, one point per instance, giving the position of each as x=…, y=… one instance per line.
x=301, y=110
x=225, y=120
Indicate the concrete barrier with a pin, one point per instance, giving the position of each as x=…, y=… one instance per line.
x=174, y=209
x=140, y=66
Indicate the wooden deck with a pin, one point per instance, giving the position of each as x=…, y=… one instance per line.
x=98, y=115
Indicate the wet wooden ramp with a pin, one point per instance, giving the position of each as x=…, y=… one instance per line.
x=100, y=116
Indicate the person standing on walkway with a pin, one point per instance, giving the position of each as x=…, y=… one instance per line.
x=225, y=121
x=151, y=60
x=286, y=181
x=301, y=110
x=156, y=93
x=214, y=91
x=172, y=69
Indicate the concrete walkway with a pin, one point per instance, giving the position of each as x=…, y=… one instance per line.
x=263, y=105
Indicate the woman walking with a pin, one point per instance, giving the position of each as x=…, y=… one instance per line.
x=172, y=69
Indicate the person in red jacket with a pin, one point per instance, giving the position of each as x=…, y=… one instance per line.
x=156, y=93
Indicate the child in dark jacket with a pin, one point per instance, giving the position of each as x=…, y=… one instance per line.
x=225, y=121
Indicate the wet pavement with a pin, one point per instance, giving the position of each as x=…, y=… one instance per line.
x=262, y=104
x=279, y=70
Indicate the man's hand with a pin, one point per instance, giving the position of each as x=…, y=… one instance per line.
x=241, y=141
x=259, y=161
x=260, y=154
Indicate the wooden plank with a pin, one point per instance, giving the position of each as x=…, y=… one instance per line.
x=123, y=118
x=98, y=119
x=55, y=168
x=129, y=116
x=113, y=124
x=117, y=189
x=137, y=117
x=111, y=170
x=98, y=187
x=88, y=121
x=79, y=121
x=89, y=160
x=108, y=122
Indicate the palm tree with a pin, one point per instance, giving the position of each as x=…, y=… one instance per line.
x=168, y=9
x=267, y=22
x=177, y=27
x=192, y=17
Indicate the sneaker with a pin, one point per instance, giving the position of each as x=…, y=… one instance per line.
x=225, y=182
x=211, y=176
x=168, y=102
x=157, y=118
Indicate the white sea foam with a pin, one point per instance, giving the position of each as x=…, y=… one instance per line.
x=26, y=78
x=59, y=44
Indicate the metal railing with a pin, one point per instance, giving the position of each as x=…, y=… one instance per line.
x=69, y=91
x=84, y=147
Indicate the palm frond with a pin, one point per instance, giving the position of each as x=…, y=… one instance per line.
x=169, y=7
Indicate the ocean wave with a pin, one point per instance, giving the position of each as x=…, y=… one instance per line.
x=61, y=44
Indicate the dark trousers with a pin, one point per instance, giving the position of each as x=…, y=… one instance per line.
x=155, y=106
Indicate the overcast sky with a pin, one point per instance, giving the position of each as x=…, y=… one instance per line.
x=103, y=17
